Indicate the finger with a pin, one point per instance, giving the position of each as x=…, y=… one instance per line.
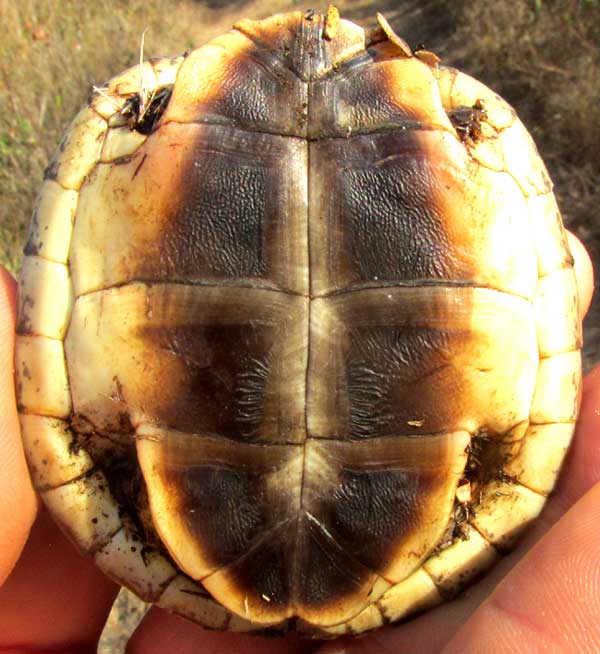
x=54, y=599
x=583, y=271
x=428, y=633
x=161, y=632
x=15, y=487
x=551, y=601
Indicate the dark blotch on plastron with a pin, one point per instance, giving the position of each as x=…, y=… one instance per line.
x=326, y=572
x=380, y=220
x=371, y=511
x=218, y=229
x=393, y=229
x=222, y=509
x=264, y=573
x=380, y=362
x=225, y=370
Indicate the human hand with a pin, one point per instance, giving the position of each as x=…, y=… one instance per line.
x=545, y=599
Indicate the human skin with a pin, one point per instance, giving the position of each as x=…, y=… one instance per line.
x=544, y=597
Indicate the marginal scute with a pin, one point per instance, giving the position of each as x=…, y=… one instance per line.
x=52, y=222
x=416, y=593
x=85, y=510
x=460, y=90
x=455, y=566
x=166, y=69
x=558, y=389
x=120, y=142
x=369, y=618
x=79, y=151
x=111, y=97
x=41, y=377
x=129, y=561
x=540, y=456
x=184, y=597
x=522, y=160
x=549, y=234
x=52, y=457
x=558, y=324
x=45, y=298
x=505, y=510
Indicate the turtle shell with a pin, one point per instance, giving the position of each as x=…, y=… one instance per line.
x=298, y=343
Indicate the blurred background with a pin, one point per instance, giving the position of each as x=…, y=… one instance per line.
x=543, y=56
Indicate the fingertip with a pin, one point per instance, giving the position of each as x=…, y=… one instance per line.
x=584, y=271
x=550, y=601
x=18, y=504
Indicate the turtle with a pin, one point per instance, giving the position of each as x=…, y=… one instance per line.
x=297, y=343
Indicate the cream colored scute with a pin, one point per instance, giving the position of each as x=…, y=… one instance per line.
x=558, y=388
x=460, y=90
x=86, y=511
x=557, y=314
x=52, y=458
x=415, y=593
x=549, y=234
x=165, y=69
x=120, y=142
x=369, y=618
x=113, y=95
x=79, y=151
x=41, y=377
x=143, y=570
x=540, y=457
x=52, y=222
x=505, y=511
x=184, y=597
x=452, y=568
x=522, y=160
x=110, y=98
x=45, y=298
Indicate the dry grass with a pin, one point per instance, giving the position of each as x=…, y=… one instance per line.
x=53, y=52
x=544, y=57
x=50, y=55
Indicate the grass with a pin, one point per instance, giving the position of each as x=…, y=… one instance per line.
x=542, y=55
x=50, y=55
x=544, y=58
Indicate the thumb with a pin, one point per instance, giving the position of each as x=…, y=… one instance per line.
x=17, y=498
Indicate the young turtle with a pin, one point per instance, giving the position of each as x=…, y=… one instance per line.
x=298, y=342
